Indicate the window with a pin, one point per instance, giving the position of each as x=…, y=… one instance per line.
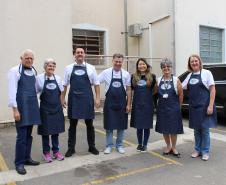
x=91, y=41
x=211, y=44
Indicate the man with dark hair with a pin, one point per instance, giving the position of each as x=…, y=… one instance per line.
x=81, y=76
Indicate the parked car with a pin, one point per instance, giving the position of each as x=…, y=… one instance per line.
x=219, y=74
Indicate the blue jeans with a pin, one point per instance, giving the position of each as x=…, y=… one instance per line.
x=45, y=143
x=119, y=140
x=202, y=140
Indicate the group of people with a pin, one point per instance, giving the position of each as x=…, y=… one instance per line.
x=124, y=93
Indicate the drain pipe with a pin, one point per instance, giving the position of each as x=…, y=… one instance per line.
x=126, y=27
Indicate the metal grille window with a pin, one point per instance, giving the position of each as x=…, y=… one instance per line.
x=91, y=41
x=210, y=44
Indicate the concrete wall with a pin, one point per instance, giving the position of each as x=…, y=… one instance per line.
x=189, y=16
x=43, y=26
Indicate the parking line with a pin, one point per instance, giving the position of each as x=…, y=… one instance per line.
x=151, y=152
x=126, y=174
x=218, y=130
x=4, y=167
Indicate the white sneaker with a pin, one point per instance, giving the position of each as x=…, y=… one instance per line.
x=121, y=150
x=205, y=157
x=107, y=150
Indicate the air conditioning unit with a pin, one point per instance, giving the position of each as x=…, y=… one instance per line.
x=135, y=30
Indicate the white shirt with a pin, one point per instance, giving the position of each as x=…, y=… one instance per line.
x=13, y=78
x=106, y=76
x=206, y=76
x=40, y=82
x=175, y=79
x=91, y=71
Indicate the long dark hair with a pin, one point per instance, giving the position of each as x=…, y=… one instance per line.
x=137, y=74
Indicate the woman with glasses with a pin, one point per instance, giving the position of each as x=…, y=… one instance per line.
x=202, y=110
x=170, y=97
x=143, y=82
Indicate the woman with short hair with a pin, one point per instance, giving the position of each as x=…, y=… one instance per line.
x=50, y=87
x=170, y=97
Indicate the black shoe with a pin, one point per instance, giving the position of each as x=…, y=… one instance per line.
x=31, y=162
x=143, y=149
x=93, y=150
x=69, y=152
x=139, y=147
x=177, y=154
x=21, y=170
x=167, y=152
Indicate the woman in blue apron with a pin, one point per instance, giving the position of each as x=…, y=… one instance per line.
x=202, y=110
x=142, y=83
x=51, y=110
x=26, y=109
x=170, y=97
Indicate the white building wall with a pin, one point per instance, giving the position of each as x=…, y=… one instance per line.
x=189, y=16
x=156, y=40
x=43, y=26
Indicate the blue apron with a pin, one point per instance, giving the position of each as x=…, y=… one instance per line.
x=199, y=97
x=26, y=97
x=80, y=97
x=115, y=116
x=51, y=111
x=169, y=119
x=142, y=107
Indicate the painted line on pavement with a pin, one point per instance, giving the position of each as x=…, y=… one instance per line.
x=4, y=167
x=152, y=153
x=126, y=174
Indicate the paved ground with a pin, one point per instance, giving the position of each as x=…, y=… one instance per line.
x=132, y=168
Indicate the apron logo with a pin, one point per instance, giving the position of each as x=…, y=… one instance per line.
x=164, y=88
x=194, y=81
x=79, y=72
x=116, y=84
x=51, y=86
x=28, y=72
x=142, y=83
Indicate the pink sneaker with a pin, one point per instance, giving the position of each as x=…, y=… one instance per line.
x=58, y=156
x=47, y=157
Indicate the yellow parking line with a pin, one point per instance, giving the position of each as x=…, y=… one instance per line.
x=153, y=153
x=4, y=167
x=218, y=130
x=126, y=174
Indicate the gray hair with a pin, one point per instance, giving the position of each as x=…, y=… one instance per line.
x=26, y=51
x=166, y=61
x=118, y=55
x=48, y=61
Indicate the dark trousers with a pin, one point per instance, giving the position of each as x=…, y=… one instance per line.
x=23, y=144
x=45, y=143
x=143, y=133
x=72, y=133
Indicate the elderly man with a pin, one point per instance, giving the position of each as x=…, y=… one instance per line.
x=81, y=76
x=117, y=103
x=24, y=103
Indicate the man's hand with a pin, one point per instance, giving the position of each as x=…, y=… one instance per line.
x=16, y=114
x=128, y=108
x=209, y=110
x=63, y=102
